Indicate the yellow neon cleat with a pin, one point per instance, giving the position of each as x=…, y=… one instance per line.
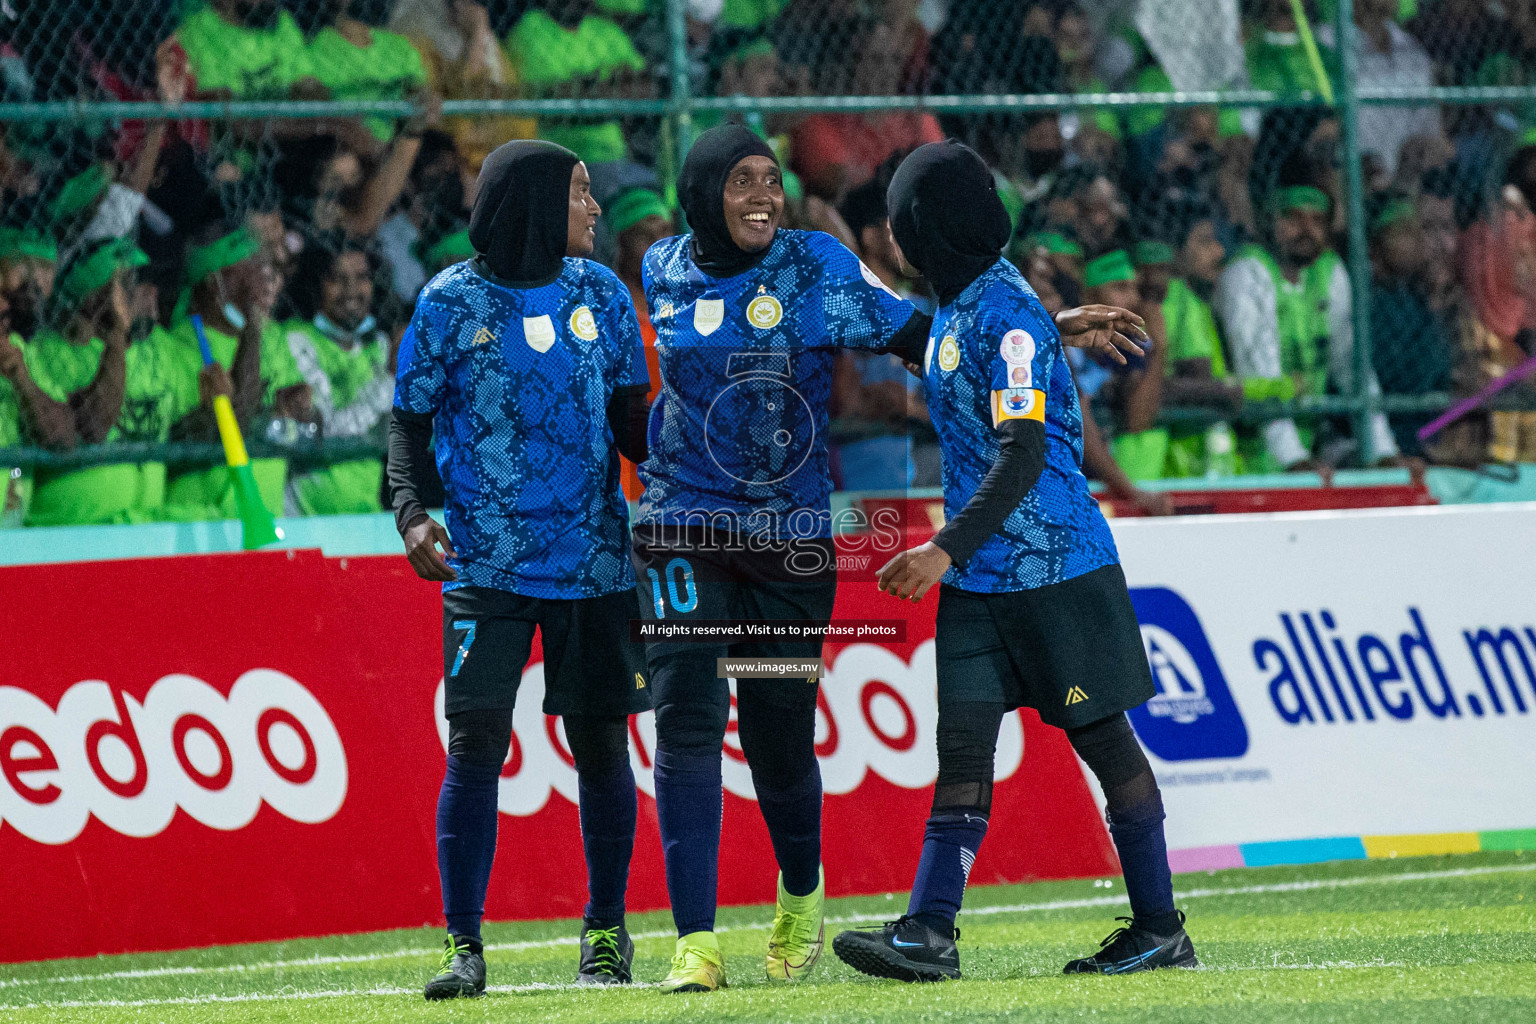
x=795, y=943
x=697, y=966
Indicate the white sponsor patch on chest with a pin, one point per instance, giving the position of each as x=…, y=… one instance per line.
x=539, y=332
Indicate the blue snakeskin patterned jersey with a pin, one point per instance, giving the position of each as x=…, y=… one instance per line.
x=738, y=432
x=518, y=382
x=995, y=350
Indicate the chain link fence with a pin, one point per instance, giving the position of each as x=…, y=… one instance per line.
x=1331, y=243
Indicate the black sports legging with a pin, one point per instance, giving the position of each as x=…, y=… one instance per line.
x=775, y=719
x=597, y=742
x=967, y=740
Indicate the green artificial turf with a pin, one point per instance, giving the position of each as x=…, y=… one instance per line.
x=1435, y=939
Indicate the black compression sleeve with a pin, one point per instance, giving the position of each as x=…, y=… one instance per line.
x=910, y=342
x=410, y=438
x=1019, y=464
x=629, y=410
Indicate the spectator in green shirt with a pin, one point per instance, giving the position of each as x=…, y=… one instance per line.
x=348, y=363
x=1275, y=56
x=1139, y=446
x=16, y=487
x=244, y=49
x=570, y=51
x=356, y=59
x=112, y=388
x=1179, y=277
x=233, y=288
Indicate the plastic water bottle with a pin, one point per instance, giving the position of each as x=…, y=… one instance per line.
x=1220, y=451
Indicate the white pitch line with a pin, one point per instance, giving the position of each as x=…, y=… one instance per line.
x=259, y=997
x=394, y=990
x=1014, y=908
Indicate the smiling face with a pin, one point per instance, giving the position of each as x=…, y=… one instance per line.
x=581, y=224
x=754, y=203
x=347, y=294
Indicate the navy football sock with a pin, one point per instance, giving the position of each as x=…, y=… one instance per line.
x=793, y=817
x=1138, y=834
x=950, y=844
x=607, y=799
x=688, y=808
x=466, y=842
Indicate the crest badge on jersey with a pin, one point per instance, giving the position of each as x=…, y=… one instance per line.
x=949, y=353
x=1018, y=348
x=765, y=312
x=539, y=332
x=583, y=324
x=708, y=315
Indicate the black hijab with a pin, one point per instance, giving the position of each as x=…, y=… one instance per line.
x=520, y=220
x=946, y=216
x=701, y=191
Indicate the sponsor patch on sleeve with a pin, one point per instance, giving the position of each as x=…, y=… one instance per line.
x=1018, y=404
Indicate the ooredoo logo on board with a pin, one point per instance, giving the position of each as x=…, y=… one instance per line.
x=877, y=714
x=131, y=764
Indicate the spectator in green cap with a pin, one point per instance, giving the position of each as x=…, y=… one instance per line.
x=29, y=261
x=1090, y=379
x=569, y=50
x=1058, y=248
x=101, y=386
x=637, y=219
x=1139, y=447
x=1411, y=350
x=1154, y=269
x=232, y=287
x=27, y=416
x=1112, y=278
x=355, y=58
x=1195, y=364
x=349, y=364
x=1285, y=310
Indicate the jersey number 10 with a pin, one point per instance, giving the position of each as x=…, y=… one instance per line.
x=678, y=572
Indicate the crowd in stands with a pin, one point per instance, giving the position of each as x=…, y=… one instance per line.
x=301, y=243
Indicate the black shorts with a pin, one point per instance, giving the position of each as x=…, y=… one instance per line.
x=591, y=667
x=1072, y=651
x=681, y=581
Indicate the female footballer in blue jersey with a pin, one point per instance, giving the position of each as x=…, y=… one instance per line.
x=1033, y=606
x=525, y=364
x=735, y=525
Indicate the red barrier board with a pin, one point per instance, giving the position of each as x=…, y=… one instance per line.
x=227, y=748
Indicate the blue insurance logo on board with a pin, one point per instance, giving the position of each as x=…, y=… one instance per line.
x=1192, y=715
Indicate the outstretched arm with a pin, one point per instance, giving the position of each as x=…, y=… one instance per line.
x=1020, y=461
x=1106, y=332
